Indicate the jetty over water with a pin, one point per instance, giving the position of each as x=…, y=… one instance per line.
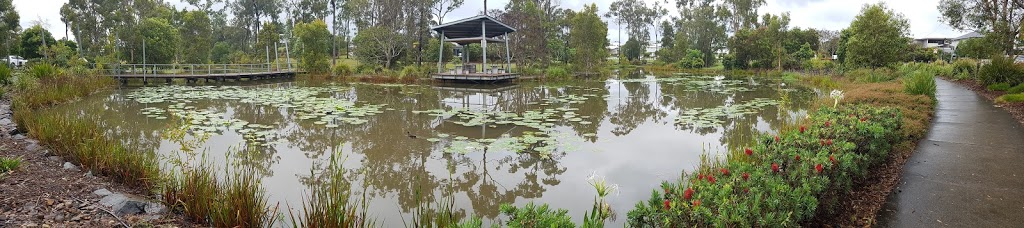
x=195, y=72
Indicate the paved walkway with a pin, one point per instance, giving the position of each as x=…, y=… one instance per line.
x=967, y=172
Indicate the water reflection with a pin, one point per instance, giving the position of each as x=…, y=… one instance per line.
x=631, y=137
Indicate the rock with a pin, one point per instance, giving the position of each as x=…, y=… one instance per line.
x=18, y=136
x=89, y=174
x=155, y=208
x=32, y=147
x=113, y=199
x=102, y=192
x=6, y=122
x=78, y=217
x=130, y=207
x=54, y=158
x=69, y=166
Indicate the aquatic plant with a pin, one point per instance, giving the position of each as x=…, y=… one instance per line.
x=328, y=203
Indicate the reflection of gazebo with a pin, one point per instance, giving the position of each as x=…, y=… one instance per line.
x=483, y=29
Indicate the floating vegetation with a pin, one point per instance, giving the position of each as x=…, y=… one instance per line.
x=325, y=111
x=710, y=117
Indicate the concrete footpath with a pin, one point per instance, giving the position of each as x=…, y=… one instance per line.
x=967, y=172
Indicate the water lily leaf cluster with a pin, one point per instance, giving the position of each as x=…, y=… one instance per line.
x=711, y=117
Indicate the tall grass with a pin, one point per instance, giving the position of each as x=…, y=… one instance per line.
x=328, y=204
x=77, y=139
x=8, y=164
x=920, y=83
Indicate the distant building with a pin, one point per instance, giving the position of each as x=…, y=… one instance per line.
x=947, y=45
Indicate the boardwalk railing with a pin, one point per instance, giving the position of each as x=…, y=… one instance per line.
x=195, y=72
x=192, y=69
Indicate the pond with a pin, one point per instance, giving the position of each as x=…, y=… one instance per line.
x=487, y=145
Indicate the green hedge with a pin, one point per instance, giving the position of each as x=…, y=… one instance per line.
x=780, y=181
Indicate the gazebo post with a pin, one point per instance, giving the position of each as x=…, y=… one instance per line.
x=440, y=53
x=508, y=56
x=483, y=44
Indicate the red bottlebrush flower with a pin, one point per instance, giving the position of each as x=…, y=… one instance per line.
x=700, y=176
x=746, y=176
x=696, y=203
x=828, y=123
x=746, y=190
x=725, y=172
x=818, y=168
x=775, y=167
x=821, y=141
x=802, y=129
x=776, y=138
x=828, y=142
x=688, y=194
x=862, y=119
x=748, y=151
x=711, y=179
x=667, y=205
x=798, y=157
x=832, y=158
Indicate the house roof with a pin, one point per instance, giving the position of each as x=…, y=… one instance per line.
x=969, y=36
x=471, y=27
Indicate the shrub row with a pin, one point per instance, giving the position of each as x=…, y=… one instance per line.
x=1001, y=70
x=781, y=180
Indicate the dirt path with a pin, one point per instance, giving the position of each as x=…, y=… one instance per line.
x=966, y=172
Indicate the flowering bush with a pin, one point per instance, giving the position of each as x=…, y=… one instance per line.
x=782, y=179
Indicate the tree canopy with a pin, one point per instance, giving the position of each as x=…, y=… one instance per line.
x=1001, y=19
x=588, y=39
x=878, y=37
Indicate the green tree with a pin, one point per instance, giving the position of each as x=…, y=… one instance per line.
x=668, y=33
x=703, y=23
x=806, y=52
x=221, y=53
x=978, y=48
x=633, y=50
x=588, y=37
x=379, y=46
x=529, y=44
x=34, y=40
x=269, y=35
x=161, y=40
x=878, y=37
x=1000, y=18
x=196, y=36
x=315, y=40
x=430, y=51
x=9, y=27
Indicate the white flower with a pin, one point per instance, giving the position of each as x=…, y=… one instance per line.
x=836, y=96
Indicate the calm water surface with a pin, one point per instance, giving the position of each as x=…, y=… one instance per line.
x=626, y=131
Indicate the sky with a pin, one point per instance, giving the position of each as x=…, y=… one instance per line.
x=819, y=14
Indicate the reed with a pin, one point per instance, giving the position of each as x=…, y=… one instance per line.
x=328, y=205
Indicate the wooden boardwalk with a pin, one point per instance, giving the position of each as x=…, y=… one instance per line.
x=196, y=72
x=476, y=77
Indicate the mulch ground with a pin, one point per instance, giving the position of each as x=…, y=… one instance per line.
x=1015, y=109
x=41, y=193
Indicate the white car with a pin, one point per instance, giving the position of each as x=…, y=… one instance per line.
x=15, y=61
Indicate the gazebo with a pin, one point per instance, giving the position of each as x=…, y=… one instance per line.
x=481, y=29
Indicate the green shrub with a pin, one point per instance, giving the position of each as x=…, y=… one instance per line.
x=410, y=71
x=341, y=70
x=964, y=69
x=1016, y=89
x=534, y=216
x=366, y=69
x=782, y=180
x=872, y=75
x=920, y=83
x=1010, y=98
x=5, y=75
x=693, y=60
x=557, y=73
x=1001, y=70
x=529, y=71
x=43, y=71
x=1002, y=86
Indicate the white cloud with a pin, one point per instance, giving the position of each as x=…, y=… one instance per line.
x=819, y=14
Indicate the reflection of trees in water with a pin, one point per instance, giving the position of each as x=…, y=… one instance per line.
x=635, y=109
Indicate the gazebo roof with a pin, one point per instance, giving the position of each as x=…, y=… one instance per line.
x=471, y=28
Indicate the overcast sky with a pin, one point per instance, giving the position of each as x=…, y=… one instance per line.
x=819, y=14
